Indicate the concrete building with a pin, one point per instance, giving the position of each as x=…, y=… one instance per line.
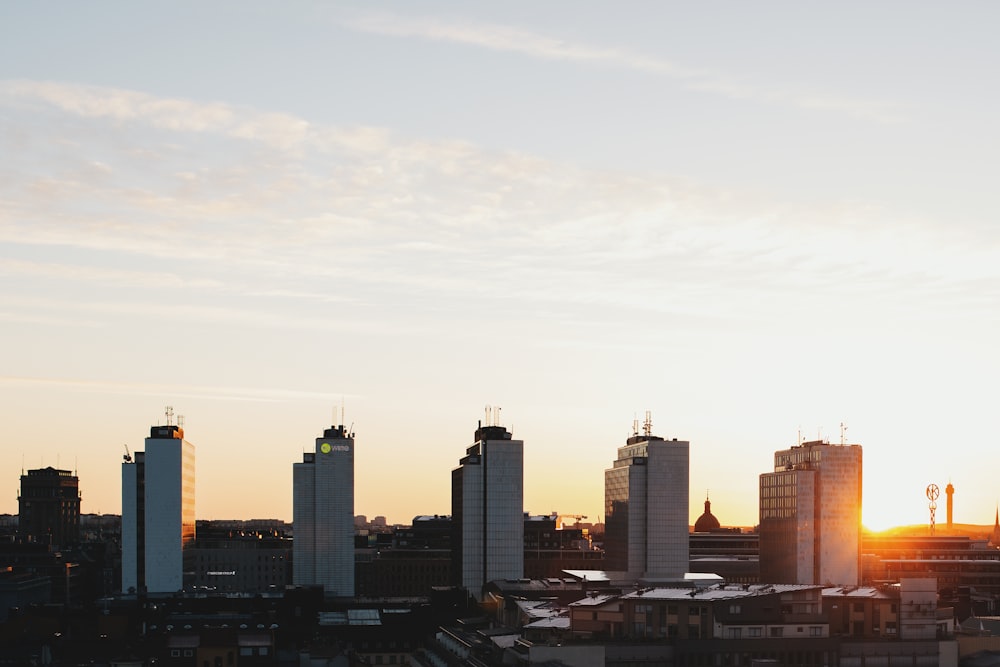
x=158, y=512
x=810, y=516
x=234, y=557
x=323, y=514
x=49, y=507
x=487, y=506
x=646, y=507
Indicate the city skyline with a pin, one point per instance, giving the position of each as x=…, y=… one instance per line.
x=757, y=222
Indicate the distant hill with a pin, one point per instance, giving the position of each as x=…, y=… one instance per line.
x=968, y=529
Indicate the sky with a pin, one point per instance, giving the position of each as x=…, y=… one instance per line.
x=763, y=223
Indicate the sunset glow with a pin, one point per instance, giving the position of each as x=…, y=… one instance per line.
x=404, y=213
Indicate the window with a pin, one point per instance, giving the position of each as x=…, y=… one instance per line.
x=859, y=606
x=754, y=632
x=815, y=631
x=734, y=633
x=734, y=609
x=777, y=632
x=246, y=650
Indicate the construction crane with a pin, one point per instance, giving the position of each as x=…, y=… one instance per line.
x=127, y=458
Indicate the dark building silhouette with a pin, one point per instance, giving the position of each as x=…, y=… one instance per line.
x=707, y=521
x=49, y=507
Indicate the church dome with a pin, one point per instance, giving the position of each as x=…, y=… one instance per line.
x=707, y=521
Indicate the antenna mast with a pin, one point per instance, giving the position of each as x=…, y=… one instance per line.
x=932, y=495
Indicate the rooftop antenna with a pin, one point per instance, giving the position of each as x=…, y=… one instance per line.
x=169, y=412
x=180, y=421
x=342, y=410
x=799, y=442
x=635, y=425
x=843, y=433
x=489, y=414
x=647, y=426
x=497, y=416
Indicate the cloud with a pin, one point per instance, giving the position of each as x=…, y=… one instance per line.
x=514, y=40
x=367, y=217
x=270, y=394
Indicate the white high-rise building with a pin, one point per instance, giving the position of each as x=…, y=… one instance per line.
x=487, y=501
x=323, y=515
x=158, y=512
x=646, y=507
x=810, y=516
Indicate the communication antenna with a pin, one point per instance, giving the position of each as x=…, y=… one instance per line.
x=843, y=433
x=647, y=426
x=489, y=414
x=932, y=495
x=497, y=416
x=635, y=426
x=180, y=421
x=169, y=412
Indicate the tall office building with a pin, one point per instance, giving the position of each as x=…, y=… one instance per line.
x=323, y=515
x=487, y=506
x=646, y=507
x=48, y=507
x=810, y=516
x=158, y=512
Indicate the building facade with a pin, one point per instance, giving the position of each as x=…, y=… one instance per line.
x=323, y=514
x=488, y=510
x=158, y=512
x=810, y=516
x=646, y=507
x=49, y=507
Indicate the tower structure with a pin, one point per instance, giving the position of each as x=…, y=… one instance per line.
x=810, y=516
x=646, y=507
x=487, y=506
x=158, y=511
x=48, y=507
x=323, y=514
x=950, y=492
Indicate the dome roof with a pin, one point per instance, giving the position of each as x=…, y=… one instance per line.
x=707, y=521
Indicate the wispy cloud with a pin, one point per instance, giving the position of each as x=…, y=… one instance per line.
x=364, y=216
x=271, y=394
x=532, y=44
